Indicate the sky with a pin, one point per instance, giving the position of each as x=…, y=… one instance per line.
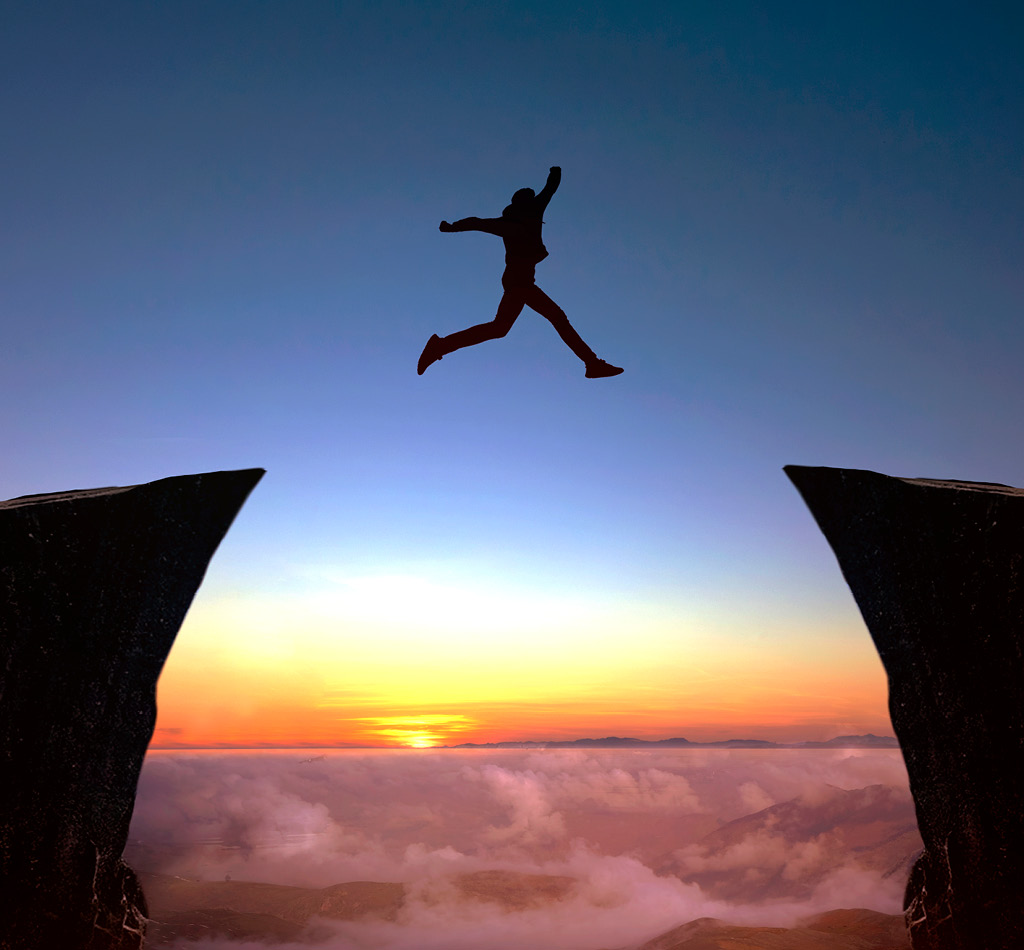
x=795, y=225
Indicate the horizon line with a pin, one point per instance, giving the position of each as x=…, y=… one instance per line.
x=512, y=743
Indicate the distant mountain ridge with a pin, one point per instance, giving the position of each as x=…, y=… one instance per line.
x=869, y=741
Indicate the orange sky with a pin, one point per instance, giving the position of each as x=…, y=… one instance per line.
x=337, y=667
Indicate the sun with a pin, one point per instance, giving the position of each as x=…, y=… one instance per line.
x=420, y=741
x=424, y=731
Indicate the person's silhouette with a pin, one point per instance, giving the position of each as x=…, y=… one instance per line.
x=520, y=228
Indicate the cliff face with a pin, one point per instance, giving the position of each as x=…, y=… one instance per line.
x=937, y=570
x=93, y=588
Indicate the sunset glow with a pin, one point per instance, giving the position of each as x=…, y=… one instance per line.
x=797, y=230
x=319, y=670
x=417, y=732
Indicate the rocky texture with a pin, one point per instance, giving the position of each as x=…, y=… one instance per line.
x=182, y=908
x=937, y=569
x=855, y=929
x=93, y=588
x=836, y=930
x=788, y=850
x=185, y=909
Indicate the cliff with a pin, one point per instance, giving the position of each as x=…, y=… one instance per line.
x=937, y=570
x=93, y=588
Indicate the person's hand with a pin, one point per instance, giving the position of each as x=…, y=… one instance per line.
x=446, y=227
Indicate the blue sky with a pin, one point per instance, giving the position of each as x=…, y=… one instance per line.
x=797, y=226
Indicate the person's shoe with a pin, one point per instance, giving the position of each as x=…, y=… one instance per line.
x=431, y=354
x=599, y=368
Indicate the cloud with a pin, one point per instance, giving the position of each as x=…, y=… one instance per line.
x=613, y=821
x=533, y=820
x=753, y=796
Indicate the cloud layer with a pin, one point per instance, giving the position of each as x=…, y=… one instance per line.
x=643, y=835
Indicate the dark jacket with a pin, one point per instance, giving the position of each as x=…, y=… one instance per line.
x=519, y=225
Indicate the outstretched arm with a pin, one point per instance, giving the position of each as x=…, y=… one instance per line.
x=490, y=225
x=554, y=177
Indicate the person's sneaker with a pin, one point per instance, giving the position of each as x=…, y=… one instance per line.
x=431, y=354
x=599, y=368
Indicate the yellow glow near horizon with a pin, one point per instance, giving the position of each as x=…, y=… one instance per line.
x=418, y=732
x=396, y=660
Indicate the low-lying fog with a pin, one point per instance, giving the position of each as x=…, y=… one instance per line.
x=650, y=839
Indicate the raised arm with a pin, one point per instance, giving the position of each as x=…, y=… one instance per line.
x=554, y=177
x=490, y=225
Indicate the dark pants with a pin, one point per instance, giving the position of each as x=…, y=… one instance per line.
x=520, y=291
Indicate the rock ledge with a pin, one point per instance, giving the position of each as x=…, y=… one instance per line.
x=93, y=588
x=937, y=570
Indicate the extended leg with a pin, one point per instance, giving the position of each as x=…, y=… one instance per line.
x=511, y=306
x=537, y=300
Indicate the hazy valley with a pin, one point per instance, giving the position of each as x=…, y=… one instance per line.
x=558, y=849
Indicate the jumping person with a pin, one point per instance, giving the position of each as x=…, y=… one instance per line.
x=520, y=228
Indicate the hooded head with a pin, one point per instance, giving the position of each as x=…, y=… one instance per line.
x=521, y=204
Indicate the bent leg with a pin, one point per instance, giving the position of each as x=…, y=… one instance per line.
x=511, y=306
x=537, y=300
